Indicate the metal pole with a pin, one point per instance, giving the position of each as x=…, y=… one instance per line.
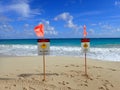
x=44, y=66
x=85, y=65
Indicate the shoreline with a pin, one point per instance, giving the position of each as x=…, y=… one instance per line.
x=93, y=59
x=65, y=56
x=62, y=73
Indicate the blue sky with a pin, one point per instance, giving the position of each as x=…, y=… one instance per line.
x=62, y=18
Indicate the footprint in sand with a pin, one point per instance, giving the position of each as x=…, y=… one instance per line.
x=28, y=88
x=97, y=67
x=72, y=65
x=98, y=76
x=77, y=66
x=69, y=87
x=31, y=88
x=63, y=83
x=66, y=66
x=101, y=88
x=56, y=65
x=106, y=85
x=25, y=88
x=65, y=74
x=112, y=69
x=72, y=76
x=14, y=85
x=33, y=85
x=82, y=85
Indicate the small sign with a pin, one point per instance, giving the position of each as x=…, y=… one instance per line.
x=43, y=46
x=85, y=44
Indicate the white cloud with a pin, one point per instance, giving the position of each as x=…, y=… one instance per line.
x=72, y=2
x=19, y=1
x=27, y=32
x=117, y=3
x=8, y=31
x=26, y=25
x=116, y=16
x=93, y=24
x=21, y=7
x=118, y=29
x=90, y=13
x=68, y=19
x=106, y=27
x=48, y=28
x=64, y=16
x=4, y=19
x=103, y=26
x=91, y=31
x=6, y=27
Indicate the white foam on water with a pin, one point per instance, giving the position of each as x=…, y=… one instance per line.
x=18, y=50
x=110, y=54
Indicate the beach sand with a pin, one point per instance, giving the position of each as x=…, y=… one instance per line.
x=62, y=73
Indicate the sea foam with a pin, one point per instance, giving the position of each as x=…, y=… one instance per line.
x=110, y=54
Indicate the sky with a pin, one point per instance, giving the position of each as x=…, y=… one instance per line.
x=61, y=18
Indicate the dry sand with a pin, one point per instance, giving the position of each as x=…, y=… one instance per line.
x=62, y=73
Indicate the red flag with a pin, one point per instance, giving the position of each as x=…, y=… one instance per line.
x=39, y=30
x=84, y=32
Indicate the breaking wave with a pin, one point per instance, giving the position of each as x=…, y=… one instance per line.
x=110, y=54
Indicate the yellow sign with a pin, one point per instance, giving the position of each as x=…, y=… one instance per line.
x=43, y=46
x=85, y=45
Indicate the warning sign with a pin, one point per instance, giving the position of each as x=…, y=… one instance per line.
x=85, y=44
x=43, y=46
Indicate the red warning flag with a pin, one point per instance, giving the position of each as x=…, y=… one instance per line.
x=39, y=30
x=84, y=32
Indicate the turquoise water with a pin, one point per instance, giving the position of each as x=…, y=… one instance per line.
x=94, y=42
x=100, y=48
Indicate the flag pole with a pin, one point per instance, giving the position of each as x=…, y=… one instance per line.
x=39, y=30
x=44, y=65
x=85, y=34
x=44, y=73
x=85, y=65
x=85, y=61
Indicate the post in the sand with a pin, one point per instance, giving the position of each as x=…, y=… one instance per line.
x=43, y=45
x=85, y=44
x=85, y=65
x=44, y=78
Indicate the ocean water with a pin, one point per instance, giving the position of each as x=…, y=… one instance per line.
x=100, y=48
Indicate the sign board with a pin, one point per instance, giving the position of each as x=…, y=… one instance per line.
x=85, y=44
x=43, y=46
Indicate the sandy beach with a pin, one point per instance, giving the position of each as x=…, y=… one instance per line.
x=62, y=73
